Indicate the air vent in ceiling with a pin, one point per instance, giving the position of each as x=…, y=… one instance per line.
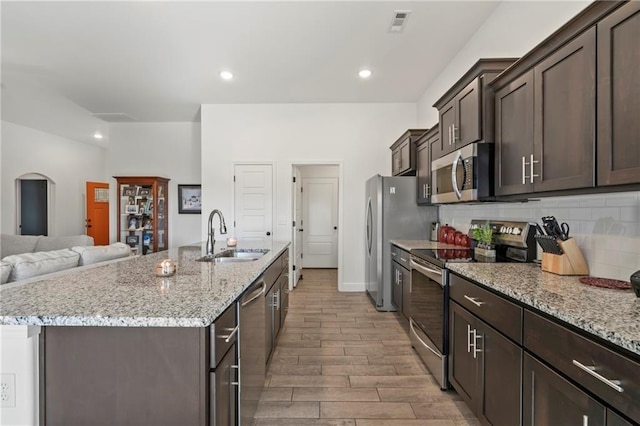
x=114, y=117
x=399, y=20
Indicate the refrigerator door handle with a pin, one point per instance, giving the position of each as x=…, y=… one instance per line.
x=369, y=222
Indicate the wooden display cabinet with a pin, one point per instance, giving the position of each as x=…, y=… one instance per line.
x=143, y=212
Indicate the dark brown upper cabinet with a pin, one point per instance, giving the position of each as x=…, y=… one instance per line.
x=545, y=123
x=466, y=110
x=619, y=96
x=547, y=105
x=403, y=153
x=423, y=164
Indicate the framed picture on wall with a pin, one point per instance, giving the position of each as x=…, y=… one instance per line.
x=190, y=199
x=131, y=209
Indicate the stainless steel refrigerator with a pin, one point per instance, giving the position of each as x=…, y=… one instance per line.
x=391, y=214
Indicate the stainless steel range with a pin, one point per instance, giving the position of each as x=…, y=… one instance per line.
x=429, y=306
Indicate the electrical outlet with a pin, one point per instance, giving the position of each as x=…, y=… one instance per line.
x=7, y=390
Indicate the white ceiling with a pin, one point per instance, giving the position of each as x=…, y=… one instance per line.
x=159, y=61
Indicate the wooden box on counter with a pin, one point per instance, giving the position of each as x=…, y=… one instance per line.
x=571, y=262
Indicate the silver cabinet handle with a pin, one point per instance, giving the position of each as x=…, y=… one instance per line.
x=468, y=338
x=591, y=369
x=450, y=138
x=237, y=367
x=524, y=177
x=585, y=420
x=531, y=165
x=474, y=301
x=453, y=133
x=229, y=336
x=476, y=337
x=403, y=260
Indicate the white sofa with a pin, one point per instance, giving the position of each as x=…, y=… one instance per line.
x=27, y=256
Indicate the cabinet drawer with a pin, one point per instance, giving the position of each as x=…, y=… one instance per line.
x=405, y=258
x=224, y=333
x=609, y=375
x=274, y=270
x=501, y=314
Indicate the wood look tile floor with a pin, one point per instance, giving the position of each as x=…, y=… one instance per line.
x=339, y=362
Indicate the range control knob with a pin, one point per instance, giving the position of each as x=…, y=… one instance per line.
x=517, y=231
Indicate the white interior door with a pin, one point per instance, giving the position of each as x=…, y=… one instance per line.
x=320, y=212
x=298, y=227
x=253, y=195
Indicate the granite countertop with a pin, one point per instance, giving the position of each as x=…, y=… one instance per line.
x=613, y=315
x=127, y=293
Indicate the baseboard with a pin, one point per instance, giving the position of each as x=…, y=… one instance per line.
x=351, y=287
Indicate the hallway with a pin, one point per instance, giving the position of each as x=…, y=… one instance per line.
x=339, y=362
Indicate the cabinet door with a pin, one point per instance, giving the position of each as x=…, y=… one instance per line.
x=564, y=133
x=614, y=419
x=396, y=162
x=224, y=403
x=467, y=128
x=423, y=172
x=406, y=292
x=501, y=361
x=463, y=361
x=396, y=281
x=619, y=96
x=514, y=136
x=447, y=121
x=549, y=399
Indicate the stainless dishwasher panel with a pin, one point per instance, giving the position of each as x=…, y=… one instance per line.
x=251, y=311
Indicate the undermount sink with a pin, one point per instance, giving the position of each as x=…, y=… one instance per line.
x=238, y=255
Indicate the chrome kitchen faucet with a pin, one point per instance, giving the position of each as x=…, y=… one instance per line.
x=211, y=233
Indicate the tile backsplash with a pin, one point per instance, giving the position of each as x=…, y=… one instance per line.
x=605, y=226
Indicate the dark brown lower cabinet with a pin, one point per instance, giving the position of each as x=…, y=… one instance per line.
x=124, y=376
x=396, y=282
x=549, y=399
x=224, y=390
x=485, y=368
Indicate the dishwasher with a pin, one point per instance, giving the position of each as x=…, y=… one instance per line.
x=251, y=311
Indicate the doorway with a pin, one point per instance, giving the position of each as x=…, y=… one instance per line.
x=34, y=204
x=97, y=221
x=317, y=214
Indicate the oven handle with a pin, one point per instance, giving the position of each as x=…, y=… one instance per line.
x=434, y=274
x=413, y=330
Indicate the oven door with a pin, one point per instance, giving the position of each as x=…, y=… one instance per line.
x=428, y=317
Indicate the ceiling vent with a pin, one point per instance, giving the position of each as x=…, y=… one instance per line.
x=114, y=117
x=399, y=20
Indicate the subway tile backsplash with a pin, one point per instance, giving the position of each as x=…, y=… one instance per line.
x=606, y=226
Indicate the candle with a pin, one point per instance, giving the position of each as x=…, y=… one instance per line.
x=232, y=242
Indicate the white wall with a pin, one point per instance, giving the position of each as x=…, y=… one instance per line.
x=170, y=150
x=512, y=30
x=356, y=135
x=68, y=163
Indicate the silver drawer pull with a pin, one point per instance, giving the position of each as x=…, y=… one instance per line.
x=474, y=301
x=237, y=367
x=585, y=420
x=590, y=369
x=229, y=336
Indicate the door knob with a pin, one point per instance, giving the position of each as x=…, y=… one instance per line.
x=268, y=233
x=300, y=230
x=335, y=227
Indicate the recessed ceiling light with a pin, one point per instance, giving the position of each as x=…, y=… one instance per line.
x=365, y=73
x=226, y=75
x=97, y=135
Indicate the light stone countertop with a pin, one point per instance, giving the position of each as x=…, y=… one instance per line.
x=613, y=315
x=127, y=293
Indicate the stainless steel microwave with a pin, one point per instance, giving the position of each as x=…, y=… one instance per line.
x=464, y=175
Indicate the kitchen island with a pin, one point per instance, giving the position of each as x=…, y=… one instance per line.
x=119, y=345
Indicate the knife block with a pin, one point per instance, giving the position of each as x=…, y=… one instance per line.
x=571, y=262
